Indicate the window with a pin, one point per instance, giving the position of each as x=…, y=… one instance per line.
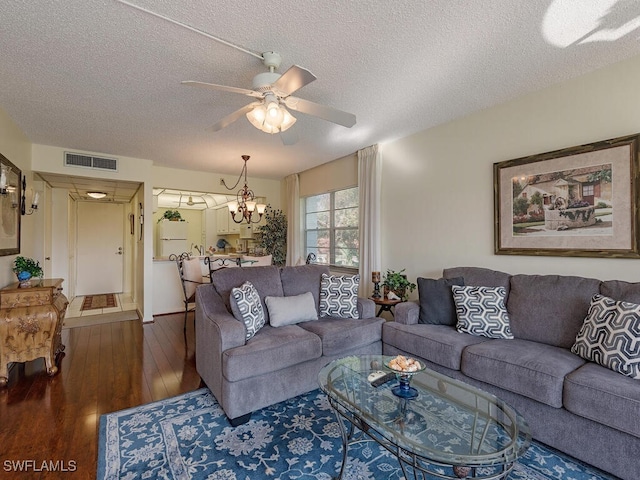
x=331, y=228
x=587, y=190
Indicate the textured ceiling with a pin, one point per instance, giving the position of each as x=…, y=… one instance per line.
x=101, y=76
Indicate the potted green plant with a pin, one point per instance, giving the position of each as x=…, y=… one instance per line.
x=398, y=283
x=273, y=235
x=25, y=268
x=172, y=215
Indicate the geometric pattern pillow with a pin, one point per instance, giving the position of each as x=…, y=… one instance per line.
x=610, y=336
x=246, y=307
x=481, y=311
x=339, y=296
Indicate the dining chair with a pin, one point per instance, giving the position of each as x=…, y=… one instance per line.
x=190, y=276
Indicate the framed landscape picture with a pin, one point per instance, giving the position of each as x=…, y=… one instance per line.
x=578, y=201
x=10, y=194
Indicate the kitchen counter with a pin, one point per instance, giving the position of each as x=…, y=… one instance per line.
x=167, y=287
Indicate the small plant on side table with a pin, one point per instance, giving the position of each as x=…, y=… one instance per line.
x=25, y=268
x=398, y=283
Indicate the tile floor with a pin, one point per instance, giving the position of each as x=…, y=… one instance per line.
x=125, y=302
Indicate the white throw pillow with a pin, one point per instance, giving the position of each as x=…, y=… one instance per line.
x=610, y=336
x=291, y=310
x=246, y=307
x=481, y=311
x=339, y=296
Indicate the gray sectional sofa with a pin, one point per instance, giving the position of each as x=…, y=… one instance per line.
x=278, y=362
x=578, y=407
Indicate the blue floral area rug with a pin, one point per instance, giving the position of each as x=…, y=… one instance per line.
x=188, y=437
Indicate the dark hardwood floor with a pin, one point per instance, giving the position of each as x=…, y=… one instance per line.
x=104, y=368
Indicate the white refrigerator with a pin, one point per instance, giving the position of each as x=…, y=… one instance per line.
x=172, y=237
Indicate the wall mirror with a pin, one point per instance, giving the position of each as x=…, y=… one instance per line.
x=10, y=194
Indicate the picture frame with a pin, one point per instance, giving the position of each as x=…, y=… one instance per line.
x=578, y=201
x=10, y=218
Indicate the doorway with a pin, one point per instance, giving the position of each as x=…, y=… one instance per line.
x=100, y=248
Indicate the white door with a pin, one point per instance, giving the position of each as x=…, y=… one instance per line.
x=100, y=259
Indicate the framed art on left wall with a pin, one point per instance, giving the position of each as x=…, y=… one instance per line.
x=10, y=194
x=578, y=201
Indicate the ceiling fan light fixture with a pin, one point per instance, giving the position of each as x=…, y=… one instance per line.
x=97, y=195
x=270, y=116
x=287, y=121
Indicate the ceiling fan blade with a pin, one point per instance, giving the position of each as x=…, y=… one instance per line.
x=213, y=86
x=289, y=137
x=293, y=79
x=321, y=111
x=229, y=119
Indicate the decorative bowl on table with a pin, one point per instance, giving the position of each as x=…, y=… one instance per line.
x=404, y=368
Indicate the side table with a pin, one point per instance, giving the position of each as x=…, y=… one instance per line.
x=385, y=305
x=31, y=324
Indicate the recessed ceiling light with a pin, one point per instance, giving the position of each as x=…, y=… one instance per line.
x=97, y=195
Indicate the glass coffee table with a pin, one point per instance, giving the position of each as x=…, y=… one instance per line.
x=449, y=430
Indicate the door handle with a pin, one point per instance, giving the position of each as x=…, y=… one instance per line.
x=119, y=252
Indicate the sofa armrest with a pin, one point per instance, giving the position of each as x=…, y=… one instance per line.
x=407, y=313
x=216, y=332
x=213, y=316
x=366, y=308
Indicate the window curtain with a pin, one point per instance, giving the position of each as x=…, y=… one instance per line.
x=292, y=192
x=369, y=186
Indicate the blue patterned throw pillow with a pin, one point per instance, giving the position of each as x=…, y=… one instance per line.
x=339, y=296
x=610, y=336
x=481, y=311
x=246, y=307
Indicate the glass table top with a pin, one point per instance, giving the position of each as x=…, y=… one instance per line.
x=449, y=422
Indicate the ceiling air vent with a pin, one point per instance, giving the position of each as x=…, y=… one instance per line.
x=87, y=161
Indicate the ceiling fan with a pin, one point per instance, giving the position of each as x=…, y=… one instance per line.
x=273, y=93
x=189, y=202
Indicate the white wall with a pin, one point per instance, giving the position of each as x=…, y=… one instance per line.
x=15, y=146
x=437, y=188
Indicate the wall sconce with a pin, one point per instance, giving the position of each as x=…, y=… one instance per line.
x=3, y=179
x=35, y=198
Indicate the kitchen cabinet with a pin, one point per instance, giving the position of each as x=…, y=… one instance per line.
x=234, y=228
x=222, y=221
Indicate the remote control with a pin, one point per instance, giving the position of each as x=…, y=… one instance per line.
x=384, y=379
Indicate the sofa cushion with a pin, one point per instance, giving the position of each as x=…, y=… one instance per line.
x=339, y=296
x=610, y=336
x=597, y=393
x=477, y=276
x=621, y=291
x=266, y=280
x=534, y=370
x=481, y=311
x=440, y=344
x=303, y=278
x=272, y=349
x=343, y=335
x=246, y=307
x=436, y=300
x=291, y=310
x=549, y=308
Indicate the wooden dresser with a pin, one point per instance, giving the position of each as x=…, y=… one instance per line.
x=31, y=324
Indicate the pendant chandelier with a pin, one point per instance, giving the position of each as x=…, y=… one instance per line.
x=245, y=208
